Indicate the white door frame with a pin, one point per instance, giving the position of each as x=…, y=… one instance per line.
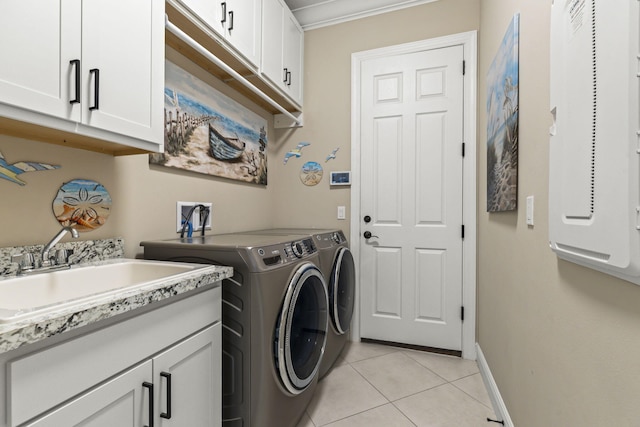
x=469, y=42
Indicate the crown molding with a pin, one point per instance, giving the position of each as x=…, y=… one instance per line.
x=317, y=14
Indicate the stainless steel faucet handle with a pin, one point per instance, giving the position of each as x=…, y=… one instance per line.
x=62, y=256
x=25, y=260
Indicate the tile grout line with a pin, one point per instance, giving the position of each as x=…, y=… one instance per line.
x=393, y=402
x=471, y=396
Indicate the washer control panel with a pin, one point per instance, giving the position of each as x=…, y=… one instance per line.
x=287, y=252
x=329, y=240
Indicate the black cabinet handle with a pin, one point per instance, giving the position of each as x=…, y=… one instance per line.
x=224, y=12
x=288, y=78
x=286, y=73
x=167, y=414
x=76, y=64
x=149, y=387
x=231, y=19
x=96, y=88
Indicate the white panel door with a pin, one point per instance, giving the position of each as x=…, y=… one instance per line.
x=411, y=188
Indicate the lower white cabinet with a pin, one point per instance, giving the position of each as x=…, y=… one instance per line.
x=187, y=382
x=162, y=367
x=183, y=391
x=119, y=402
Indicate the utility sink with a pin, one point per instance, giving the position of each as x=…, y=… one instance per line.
x=43, y=292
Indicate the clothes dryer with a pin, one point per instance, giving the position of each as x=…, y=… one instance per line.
x=274, y=317
x=338, y=267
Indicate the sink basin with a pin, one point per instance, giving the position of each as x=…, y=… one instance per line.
x=28, y=295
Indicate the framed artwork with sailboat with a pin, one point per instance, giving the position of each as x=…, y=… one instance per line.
x=207, y=132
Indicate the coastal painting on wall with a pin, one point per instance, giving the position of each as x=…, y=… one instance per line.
x=502, y=123
x=207, y=132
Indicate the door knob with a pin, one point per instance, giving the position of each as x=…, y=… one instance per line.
x=367, y=219
x=368, y=235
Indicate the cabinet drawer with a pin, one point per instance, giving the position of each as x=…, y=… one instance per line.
x=43, y=380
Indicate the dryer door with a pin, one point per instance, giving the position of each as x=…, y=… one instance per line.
x=342, y=290
x=301, y=332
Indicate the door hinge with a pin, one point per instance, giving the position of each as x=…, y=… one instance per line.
x=463, y=231
x=464, y=67
x=463, y=149
x=462, y=313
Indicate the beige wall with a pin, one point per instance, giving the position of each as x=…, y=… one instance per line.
x=144, y=196
x=327, y=102
x=561, y=340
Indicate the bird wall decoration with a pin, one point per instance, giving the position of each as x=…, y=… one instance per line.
x=10, y=172
x=332, y=155
x=296, y=152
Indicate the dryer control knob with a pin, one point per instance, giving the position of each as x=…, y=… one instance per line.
x=297, y=249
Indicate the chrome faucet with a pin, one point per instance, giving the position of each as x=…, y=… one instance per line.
x=44, y=256
x=28, y=263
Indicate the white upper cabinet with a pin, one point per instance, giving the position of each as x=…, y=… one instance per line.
x=293, y=56
x=123, y=63
x=208, y=11
x=243, y=27
x=98, y=66
x=236, y=21
x=282, y=49
x=40, y=41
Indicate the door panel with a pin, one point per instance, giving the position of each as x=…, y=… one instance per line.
x=388, y=293
x=387, y=171
x=429, y=168
x=411, y=176
x=430, y=268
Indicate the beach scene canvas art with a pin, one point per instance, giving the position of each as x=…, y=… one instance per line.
x=207, y=132
x=502, y=123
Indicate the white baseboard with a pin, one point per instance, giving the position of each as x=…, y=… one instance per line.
x=492, y=388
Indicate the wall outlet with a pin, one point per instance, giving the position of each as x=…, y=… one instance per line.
x=182, y=210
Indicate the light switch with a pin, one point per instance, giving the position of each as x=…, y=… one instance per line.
x=342, y=212
x=530, y=210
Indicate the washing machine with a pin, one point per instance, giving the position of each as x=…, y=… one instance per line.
x=338, y=267
x=274, y=318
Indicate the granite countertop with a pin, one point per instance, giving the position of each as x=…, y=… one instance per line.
x=31, y=329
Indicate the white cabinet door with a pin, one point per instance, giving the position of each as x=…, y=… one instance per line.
x=210, y=12
x=122, y=402
x=243, y=27
x=293, y=47
x=236, y=21
x=188, y=379
x=123, y=66
x=282, y=45
x=39, y=39
x=273, y=41
x=85, y=66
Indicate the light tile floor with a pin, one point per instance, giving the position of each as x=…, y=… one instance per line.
x=374, y=385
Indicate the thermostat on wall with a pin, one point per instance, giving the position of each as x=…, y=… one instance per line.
x=341, y=178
